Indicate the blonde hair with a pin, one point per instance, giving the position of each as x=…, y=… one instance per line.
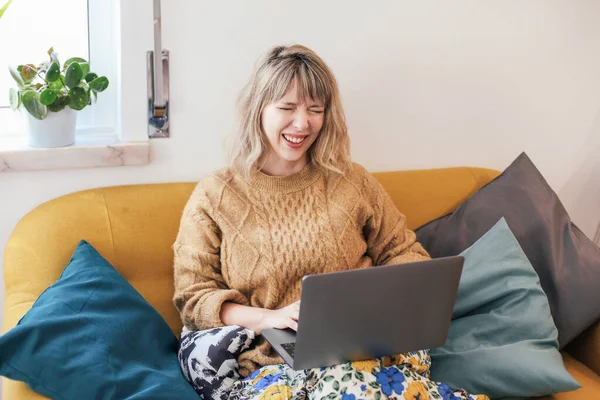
x=273, y=76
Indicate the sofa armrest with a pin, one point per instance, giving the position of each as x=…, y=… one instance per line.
x=586, y=348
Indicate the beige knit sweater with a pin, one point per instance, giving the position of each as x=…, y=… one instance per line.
x=251, y=241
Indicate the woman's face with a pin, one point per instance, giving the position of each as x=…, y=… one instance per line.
x=291, y=126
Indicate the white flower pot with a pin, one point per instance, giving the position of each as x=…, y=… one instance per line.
x=56, y=130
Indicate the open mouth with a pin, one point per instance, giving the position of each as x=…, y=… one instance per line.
x=294, y=140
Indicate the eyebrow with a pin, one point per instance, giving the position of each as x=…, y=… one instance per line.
x=289, y=103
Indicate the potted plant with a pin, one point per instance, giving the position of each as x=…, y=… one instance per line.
x=51, y=95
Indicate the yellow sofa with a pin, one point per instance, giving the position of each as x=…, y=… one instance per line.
x=134, y=227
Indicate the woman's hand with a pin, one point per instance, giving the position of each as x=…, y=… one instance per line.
x=257, y=319
x=286, y=317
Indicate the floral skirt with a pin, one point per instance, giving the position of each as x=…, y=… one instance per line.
x=208, y=361
x=405, y=376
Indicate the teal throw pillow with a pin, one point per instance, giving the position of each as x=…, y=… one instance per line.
x=91, y=335
x=502, y=340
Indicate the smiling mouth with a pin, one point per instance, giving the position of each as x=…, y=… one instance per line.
x=294, y=140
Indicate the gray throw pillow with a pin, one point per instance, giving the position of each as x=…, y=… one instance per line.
x=567, y=262
x=502, y=341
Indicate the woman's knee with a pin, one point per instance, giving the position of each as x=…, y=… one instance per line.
x=214, y=349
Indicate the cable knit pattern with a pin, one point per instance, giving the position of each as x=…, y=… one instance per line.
x=251, y=241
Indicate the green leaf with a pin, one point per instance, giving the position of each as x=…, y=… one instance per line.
x=85, y=68
x=377, y=396
x=3, y=9
x=72, y=60
x=60, y=103
x=328, y=378
x=17, y=77
x=73, y=75
x=336, y=385
x=347, y=377
x=347, y=367
x=90, y=77
x=79, y=98
x=53, y=73
x=57, y=84
x=47, y=97
x=374, y=385
x=14, y=98
x=332, y=396
x=99, y=84
x=31, y=101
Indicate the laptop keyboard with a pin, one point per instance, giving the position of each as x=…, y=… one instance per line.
x=289, y=347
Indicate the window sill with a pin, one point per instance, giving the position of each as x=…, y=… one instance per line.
x=87, y=152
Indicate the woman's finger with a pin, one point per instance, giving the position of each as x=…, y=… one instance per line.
x=293, y=325
x=294, y=313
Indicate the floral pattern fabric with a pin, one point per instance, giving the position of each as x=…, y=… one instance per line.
x=404, y=376
x=208, y=362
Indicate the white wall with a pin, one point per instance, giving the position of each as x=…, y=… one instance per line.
x=423, y=85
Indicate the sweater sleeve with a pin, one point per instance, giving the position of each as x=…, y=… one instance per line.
x=389, y=241
x=200, y=289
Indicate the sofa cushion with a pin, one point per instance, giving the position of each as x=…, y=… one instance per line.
x=91, y=335
x=502, y=341
x=567, y=262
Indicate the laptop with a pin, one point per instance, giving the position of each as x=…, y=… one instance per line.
x=368, y=313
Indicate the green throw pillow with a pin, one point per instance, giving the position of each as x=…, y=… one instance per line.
x=502, y=341
x=91, y=335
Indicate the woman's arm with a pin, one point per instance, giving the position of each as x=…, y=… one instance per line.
x=389, y=241
x=201, y=294
x=200, y=288
x=257, y=319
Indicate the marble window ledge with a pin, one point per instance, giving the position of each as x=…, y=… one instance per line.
x=87, y=152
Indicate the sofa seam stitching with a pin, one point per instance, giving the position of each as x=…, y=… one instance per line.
x=110, y=227
x=477, y=182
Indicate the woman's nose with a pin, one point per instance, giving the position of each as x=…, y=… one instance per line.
x=301, y=120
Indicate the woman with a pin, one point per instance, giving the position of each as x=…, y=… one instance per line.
x=292, y=203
